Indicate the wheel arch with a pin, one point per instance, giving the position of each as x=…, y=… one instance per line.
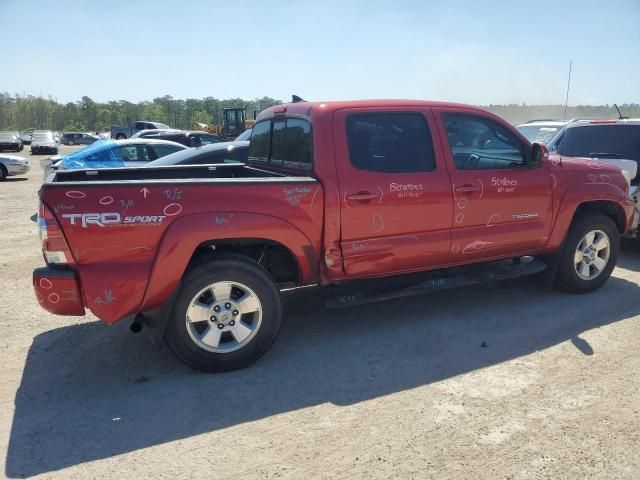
x=280, y=247
x=607, y=199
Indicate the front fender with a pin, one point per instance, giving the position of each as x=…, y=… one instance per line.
x=185, y=234
x=582, y=194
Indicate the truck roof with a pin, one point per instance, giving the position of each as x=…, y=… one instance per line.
x=306, y=108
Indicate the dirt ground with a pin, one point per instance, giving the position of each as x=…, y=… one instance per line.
x=502, y=381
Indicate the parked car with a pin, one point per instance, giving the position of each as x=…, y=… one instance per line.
x=121, y=153
x=541, y=131
x=78, y=138
x=26, y=138
x=223, y=152
x=201, y=252
x=611, y=141
x=193, y=138
x=12, y=165
x=43, y=141
x=10, y=141
x=120, y=133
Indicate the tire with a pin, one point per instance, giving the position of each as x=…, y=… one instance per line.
x=579, y=269
x=121, y=136
x=228, y=350
x=70, y=142
x=3, y=173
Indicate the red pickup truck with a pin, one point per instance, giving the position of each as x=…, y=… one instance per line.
x=332, y=192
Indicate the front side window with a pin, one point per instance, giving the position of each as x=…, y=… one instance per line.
x=477, y=143
x=133, y=153
x=390, y=142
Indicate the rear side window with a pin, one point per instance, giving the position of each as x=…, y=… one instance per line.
x=602, y=141
x=164, y=150
x=390, y=142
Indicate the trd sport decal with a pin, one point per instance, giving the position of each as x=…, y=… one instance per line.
x=114, y=218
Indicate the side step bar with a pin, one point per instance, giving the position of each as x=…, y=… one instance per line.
x=438, y=281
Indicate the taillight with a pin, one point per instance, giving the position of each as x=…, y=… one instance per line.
x=54, y=246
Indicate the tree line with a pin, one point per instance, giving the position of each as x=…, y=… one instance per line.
x=28, y=112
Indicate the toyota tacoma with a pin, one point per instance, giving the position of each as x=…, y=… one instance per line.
x=332, y=193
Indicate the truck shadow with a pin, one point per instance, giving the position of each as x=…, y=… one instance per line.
x=89, y=391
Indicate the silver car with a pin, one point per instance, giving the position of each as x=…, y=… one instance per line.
x=43, y=141
x=12, y=165
x=10, y=141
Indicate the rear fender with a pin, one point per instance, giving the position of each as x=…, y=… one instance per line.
x=185, y=234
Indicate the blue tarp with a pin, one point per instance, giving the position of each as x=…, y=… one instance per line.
x=100, y=154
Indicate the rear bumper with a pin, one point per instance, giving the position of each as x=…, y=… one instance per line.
x=58, y=291
x=9, y=146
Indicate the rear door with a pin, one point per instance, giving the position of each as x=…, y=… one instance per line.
x=396, y=201
x=502, y=206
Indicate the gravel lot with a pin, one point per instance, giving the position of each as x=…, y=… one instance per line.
x=499, y=381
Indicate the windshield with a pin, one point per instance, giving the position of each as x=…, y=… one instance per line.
x=538, y=133
x=42, y=137
x=602, y=141
x=246, y=135
x=7, y=136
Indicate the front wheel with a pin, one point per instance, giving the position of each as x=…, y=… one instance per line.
x=590, y=254
x=226, y=316
x=121, y=136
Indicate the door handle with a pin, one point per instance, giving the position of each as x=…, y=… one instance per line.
x=468, y=189
x=362, y=196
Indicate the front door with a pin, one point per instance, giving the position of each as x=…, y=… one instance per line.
x=502, y=206
x=396, y=201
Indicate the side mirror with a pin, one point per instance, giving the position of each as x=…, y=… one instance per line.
x=538, y=152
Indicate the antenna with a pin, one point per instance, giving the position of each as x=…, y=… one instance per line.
x=620, y=117
x=566, y=101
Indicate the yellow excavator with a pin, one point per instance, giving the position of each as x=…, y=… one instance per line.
x=234, y=122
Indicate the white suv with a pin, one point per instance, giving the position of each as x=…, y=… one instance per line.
x=541, y=131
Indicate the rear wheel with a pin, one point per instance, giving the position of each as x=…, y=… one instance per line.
x=590, y=254
x=226, y=316
x=121, y=136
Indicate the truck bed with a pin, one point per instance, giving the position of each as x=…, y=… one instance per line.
x=127, y=228
x=173, y=173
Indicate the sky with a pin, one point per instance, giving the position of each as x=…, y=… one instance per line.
x=480, y=52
